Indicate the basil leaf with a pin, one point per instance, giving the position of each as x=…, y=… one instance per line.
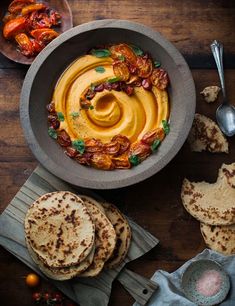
x=79, y=145
x=74, y=114
x=121, y=58
x=157, y=64
x=91, y=107
x=134, y=160
x=100, y=52
x=100, y=69
x=155, y=144
x=52, y=133
x=113, y=80
x=137, y=50
x=166, y=126
x=60, y=116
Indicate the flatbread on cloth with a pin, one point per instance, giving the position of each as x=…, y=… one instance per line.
x=61, y=274
x=213, y=204
x=105, y=237
x=206, y=135
x=220, y=238
x=123, y=232
x=59, y=229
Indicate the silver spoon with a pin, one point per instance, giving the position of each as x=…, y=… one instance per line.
x=225, y=113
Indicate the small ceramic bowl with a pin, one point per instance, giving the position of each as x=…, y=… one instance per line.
x=194, y=272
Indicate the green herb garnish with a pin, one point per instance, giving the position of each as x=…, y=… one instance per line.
x=52, y=133
x=166, y=126
x=113, y=80
x=155, y=144
x=92, y=87
x=100, y=69
x=91, y=107
x=79, y=145
x=121, y=58
x=100, y=52
x=134, y=160
x=74, y=114
x=157, y=64
x=60, y=116
x=137, y=50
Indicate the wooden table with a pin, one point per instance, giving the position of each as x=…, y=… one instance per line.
x=155, y=203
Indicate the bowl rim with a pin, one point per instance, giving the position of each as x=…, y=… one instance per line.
x=47, y=161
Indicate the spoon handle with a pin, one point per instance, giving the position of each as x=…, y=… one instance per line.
x=217, y=51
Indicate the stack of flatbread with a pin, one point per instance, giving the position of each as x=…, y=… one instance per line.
x=69, y=236
x=214, y=206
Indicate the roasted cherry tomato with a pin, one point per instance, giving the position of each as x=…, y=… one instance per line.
x=160, y=78
x=84, y=159
x=71, y=152
x=39, y=20
x=123, y=141
x=93, y=145
x=145, y=67
x=32, y=280
x=101, y=161
x=146, y=84
x=32, y=8
x=140, y=149
x=151, y=136
x=111, y=148
x=121, y=162
x=121, y=71
x=123, y=50
x=14, y=26
x=63, y=138
x=17, y=5
x=53, y=121
x=8, y=16
x=37, y=47
x=55, y=18
x=25, y=44
x=44, y=35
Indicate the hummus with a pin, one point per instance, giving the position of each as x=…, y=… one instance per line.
x=113, y=112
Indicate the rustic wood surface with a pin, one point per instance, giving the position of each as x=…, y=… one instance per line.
x=155, y=203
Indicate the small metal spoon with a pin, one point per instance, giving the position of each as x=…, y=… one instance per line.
x=225, y=113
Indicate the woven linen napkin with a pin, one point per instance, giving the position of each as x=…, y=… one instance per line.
x=169, y=292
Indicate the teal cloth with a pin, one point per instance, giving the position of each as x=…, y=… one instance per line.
x=169, y=292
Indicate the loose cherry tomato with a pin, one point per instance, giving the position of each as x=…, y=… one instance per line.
x=46, y=296
x=57, y=297
x=160, y=78
x=32, y=280
x=32, y=8
x=17, y=5
x=120, y=50
x=14, y=26
x=25, y=44
x=121, y=71
x=44, y=35
x=145, y=67
x=37, y=296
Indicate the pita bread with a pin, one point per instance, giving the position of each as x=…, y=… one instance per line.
x=65, y=273
x=205, y=135
x=210, y=93
x=59, y=229
x=105, y=237
x=123, y=233
x=212, y=204
x=219, y=238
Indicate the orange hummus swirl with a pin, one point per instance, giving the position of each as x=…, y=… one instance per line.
x=113, y=112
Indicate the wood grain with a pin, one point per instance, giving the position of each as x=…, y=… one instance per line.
x=154, y=204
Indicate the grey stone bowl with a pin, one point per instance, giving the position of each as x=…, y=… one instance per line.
x=43, y=74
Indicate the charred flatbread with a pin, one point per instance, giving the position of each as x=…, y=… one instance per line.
x=206, y=135
x=213, y=204
x=105, y=237
x=59, y=229
x=123, y=232
x=220, y=238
